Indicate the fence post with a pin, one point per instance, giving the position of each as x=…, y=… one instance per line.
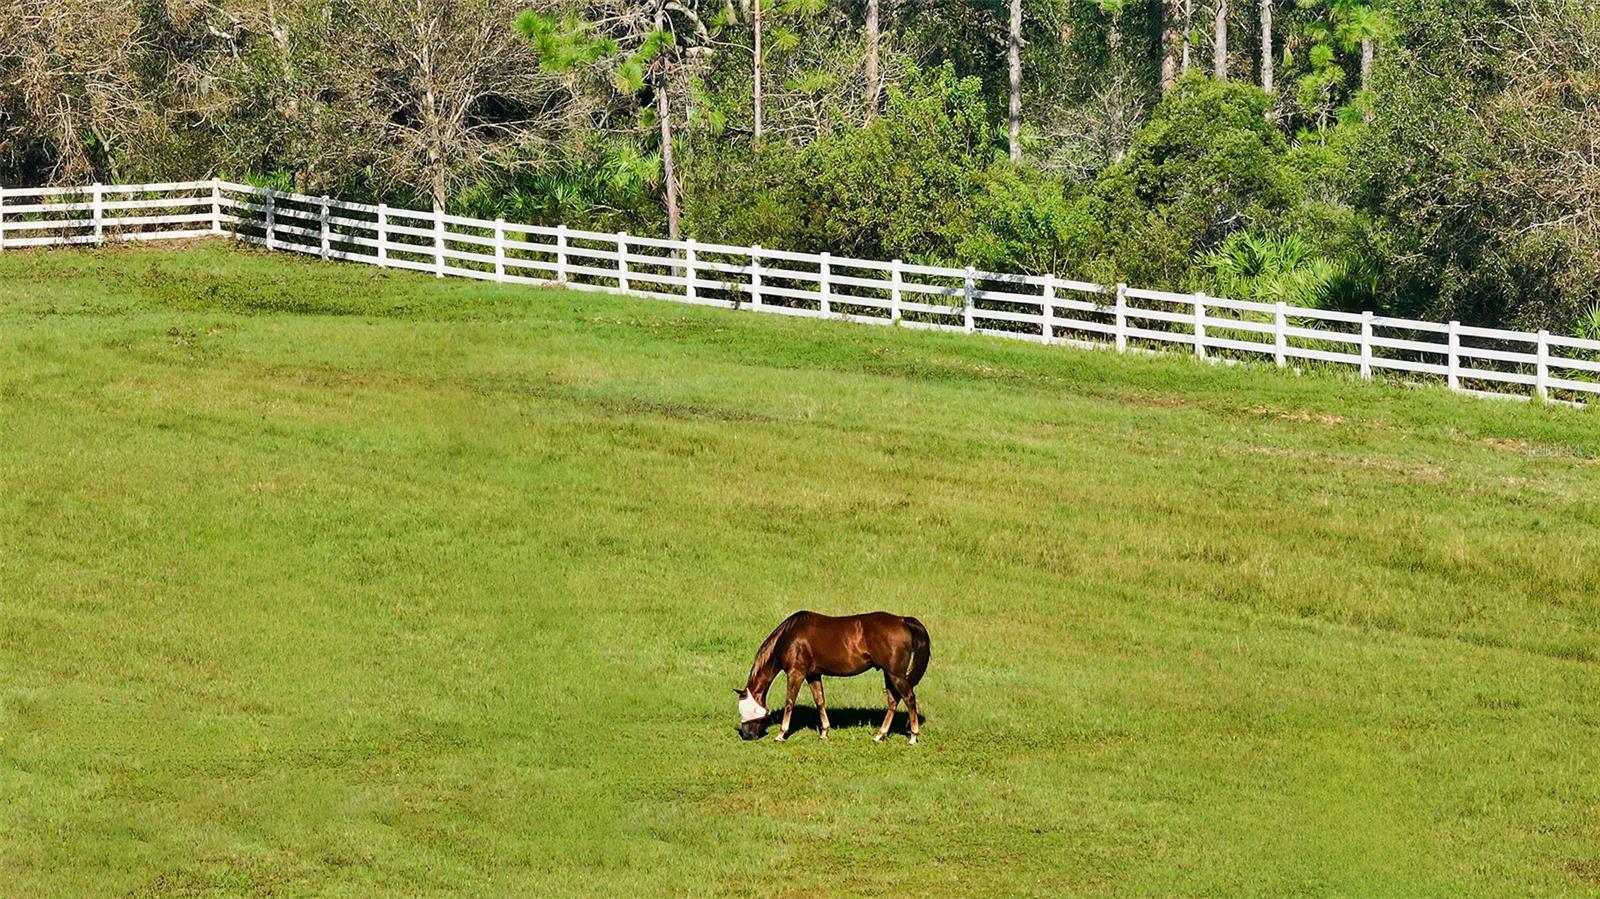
x=216, y=205
x=825, y=283
x=1280, y=339
x=438, y=241
x=383, y=235
x=1122, y=318
x=1049, y=307
x=2, y=218
x=561, y=254
x=1200, y=325
x=500, y=249
x=272, y=220
x=1541, y=376
x=622, y=260
x=968, y=322
x=99, y=214
x=755, y=276
x=896, y=278
x=690, y=257
x=1366, y=345
x=322, y=223
x=1454, y=362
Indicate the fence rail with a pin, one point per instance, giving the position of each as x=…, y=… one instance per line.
x=1042, y=308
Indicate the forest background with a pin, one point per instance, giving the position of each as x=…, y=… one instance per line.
x=1417, y=157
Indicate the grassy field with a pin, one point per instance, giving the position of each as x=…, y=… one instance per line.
x=320, y=580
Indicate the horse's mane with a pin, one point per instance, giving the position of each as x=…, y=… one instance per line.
x=770, y=645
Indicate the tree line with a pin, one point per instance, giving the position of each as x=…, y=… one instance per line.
x=1423, y=157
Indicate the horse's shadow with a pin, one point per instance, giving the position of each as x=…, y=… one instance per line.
x=805, y=717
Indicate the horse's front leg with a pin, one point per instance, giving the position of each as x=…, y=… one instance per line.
x=822, y=709
x=795, y=680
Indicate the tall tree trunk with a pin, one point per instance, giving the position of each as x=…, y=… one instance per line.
x=1368, y=51
x=1266, y=46
x=1014, y=64
x=1170, y=37
x=291, y=110
x=874, y=81
x=1188, y=37
x=1114, y=99
x=758, y=74
x=669, y=172
x=1219, y=49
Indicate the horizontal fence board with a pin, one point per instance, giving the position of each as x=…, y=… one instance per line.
x=793, y=293
x=46, y=208
x=868, y=283
x=1001, y=315
x=1576, y=343
x=789, y=274
x=1079, y=305
x=1415, y=346
x=1588, y=365
x=1300, y=352
x=848, y=299
x=1423, y=368
x=1316, y=334
x=530, y=246
x=540, y=264
x=1489, y=374
x=1405, y=324
x=1071, y=324
x=787, y=256
x=1134, y=293
x=1240, y=305
x=1236, y=324
x=1327, y=315
x=1162, y=336
x=1180, y=318
x=1496, y=334
x=47, y=224
x=158, y=203
x=1244, y=346
x=929, y=308
x=1001, y=296
x=1497, y=355
x=1579, y=386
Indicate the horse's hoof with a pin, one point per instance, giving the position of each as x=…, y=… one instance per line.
x=878, y=738
x=780, y=738
x=913, y=740
x=824, y=735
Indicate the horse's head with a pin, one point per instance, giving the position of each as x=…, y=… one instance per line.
x=752, y=716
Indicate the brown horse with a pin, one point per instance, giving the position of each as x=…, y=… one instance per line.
x=807, y=645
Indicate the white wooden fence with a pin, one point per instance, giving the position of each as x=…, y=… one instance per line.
x=1044, y=308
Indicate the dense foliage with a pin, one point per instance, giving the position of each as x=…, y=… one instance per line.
x=1414, y=156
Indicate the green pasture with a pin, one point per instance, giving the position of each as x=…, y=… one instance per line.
x=320, y=580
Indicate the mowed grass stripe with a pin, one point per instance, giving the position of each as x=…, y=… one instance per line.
x=317, y=579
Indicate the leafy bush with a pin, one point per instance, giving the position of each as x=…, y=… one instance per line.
x=1271, y=269
x=1208, y=163
x=891, y=189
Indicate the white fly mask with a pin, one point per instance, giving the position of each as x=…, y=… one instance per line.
x=750, y=709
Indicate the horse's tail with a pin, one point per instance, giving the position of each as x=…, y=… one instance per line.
x=919, y=650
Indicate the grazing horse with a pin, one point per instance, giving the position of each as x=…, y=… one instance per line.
x=807, y=645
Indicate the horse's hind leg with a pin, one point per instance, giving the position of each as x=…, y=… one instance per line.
x=904, y=688
x=911, y=705
x=822, y=709
x=888, y=716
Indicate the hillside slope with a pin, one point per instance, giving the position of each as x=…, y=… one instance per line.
x=316, y=579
